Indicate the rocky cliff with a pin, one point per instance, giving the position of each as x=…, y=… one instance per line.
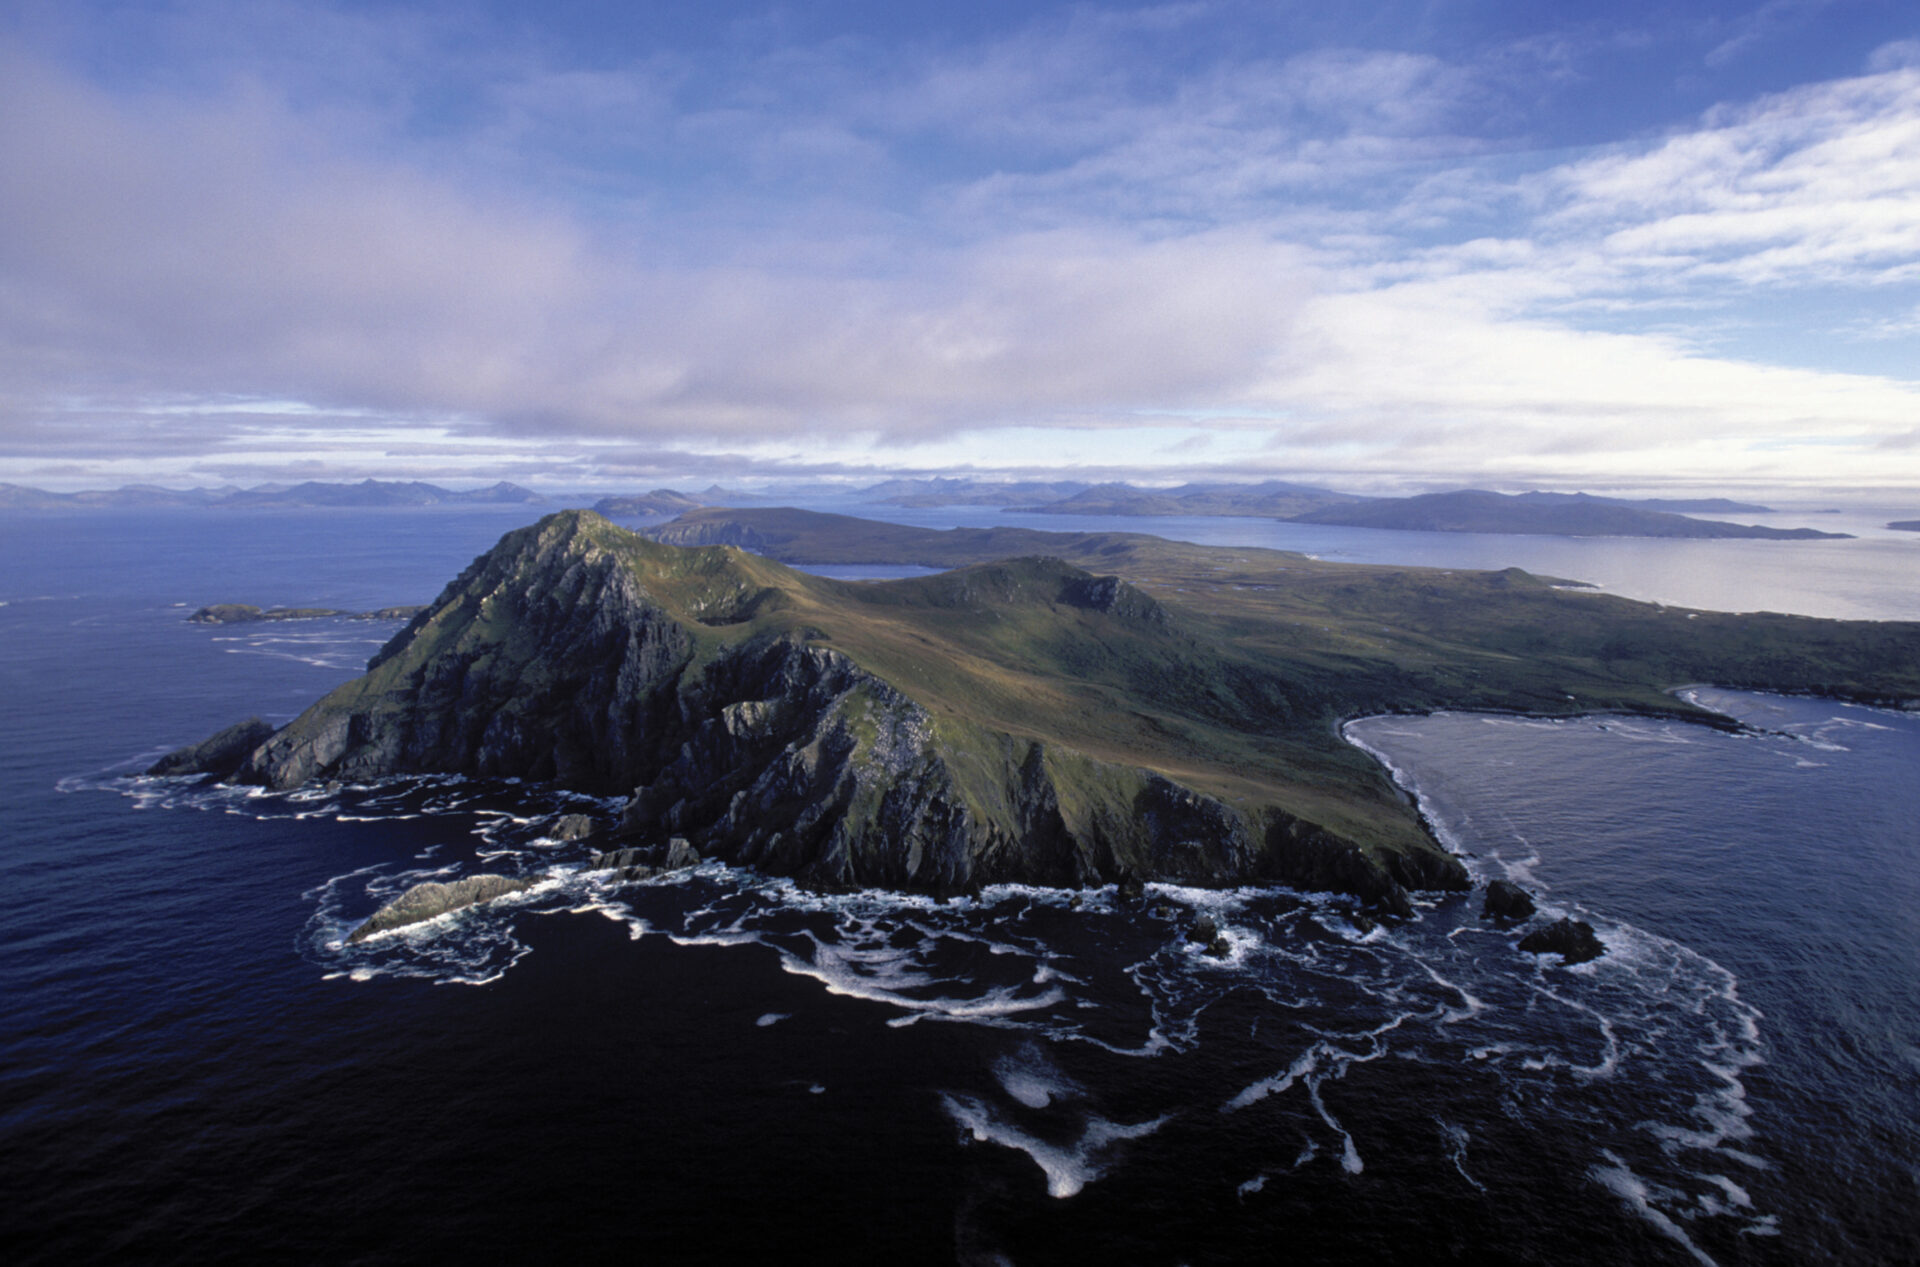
x=933, y=735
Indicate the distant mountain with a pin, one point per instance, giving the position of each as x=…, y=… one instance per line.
x=965, y=492
x=132, y=497
x=1680, y=505
x=367, y=493
x=661, y=501
x=373, y=493
x=1552, y=514
x=1273, y=499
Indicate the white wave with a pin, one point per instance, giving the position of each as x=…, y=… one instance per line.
x=1735, y=1193
x=1470, y=1005
x=1456, y=1140
x=772, y=1018
x=1068, y=1167
x=1639, y=1197
x=1303, y=1064
x=1034, y=1080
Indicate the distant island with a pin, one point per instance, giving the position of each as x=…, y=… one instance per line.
x=946, y=491
x=312, y=494
x=1905, y=525
x=1099, y=708
x=1556, y=514
x=247, y=614
x=660, y=502
x=1272, y=499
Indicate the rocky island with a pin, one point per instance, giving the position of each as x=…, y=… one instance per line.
x=1112, y=707
x=248, y=613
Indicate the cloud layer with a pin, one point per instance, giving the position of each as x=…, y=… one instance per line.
x=1104, y=238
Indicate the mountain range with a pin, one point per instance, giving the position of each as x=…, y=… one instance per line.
x=367, y=493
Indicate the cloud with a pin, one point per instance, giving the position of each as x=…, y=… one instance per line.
x=158, y=246
x=1821, y=184
x=850, y=252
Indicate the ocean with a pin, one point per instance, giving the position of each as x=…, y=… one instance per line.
x=717, y=1067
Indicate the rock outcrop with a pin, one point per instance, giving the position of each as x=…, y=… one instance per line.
x=846, y=736
x=1507, y=902
x=247, y=614
x=643, y=862
x=1206, y=934
x=574, y=827
x=220, y=756
x=1572, y=939
x=427, y=901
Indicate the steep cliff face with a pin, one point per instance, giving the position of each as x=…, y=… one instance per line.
x=809, y=728
x=546, y=660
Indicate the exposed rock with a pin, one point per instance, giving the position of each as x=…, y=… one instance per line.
x=573, y=827
x=631, y=863
x=247, y=613
x=1206, y=932
x=1507, y=901
x=681, y=854
x=219, y=756
x=587, y=656
x=1130, y=889
x=426, y=901
x=1572, y=939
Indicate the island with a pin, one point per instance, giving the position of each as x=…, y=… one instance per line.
x=1071, y=709
x=1271, y=499
x=247, y=614
x=1905, y=525
x=1555, y=514
x=951, y=491
x=660, y=502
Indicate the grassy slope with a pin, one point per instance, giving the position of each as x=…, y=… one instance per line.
x=1267, y=651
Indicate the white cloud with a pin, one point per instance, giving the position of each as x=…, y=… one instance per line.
x=841, y=256
x=1817, y=185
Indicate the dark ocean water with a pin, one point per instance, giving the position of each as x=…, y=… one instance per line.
x=717, y=1068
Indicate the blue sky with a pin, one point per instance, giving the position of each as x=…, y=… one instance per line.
x=1388, y=245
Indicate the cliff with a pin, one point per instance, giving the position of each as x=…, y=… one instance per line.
x=1014, y=721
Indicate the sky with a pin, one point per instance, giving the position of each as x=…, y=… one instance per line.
x=1384, y=245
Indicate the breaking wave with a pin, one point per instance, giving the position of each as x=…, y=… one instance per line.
x=1642, y=1050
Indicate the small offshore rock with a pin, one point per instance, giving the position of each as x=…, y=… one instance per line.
x=1206, y=932
x=426, y=901
x=220, y=756
x=1130, y=888
x=1572, y=939
x=1393, y=900
x=573, y=827
x=226, y=614
x=1507, y=901
x=631, y=863
x=681, y=853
